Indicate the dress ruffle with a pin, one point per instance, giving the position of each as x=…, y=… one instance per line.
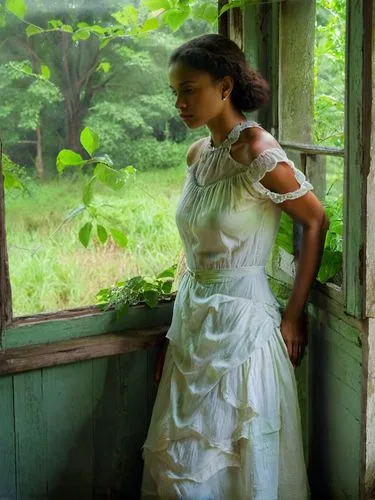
x=220, y=386
x=226, y=421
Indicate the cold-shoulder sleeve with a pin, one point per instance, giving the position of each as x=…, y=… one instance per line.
x=268, y=161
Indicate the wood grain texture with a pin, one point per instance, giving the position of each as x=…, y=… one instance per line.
x=356, y=130
x=31, y=436
x=5, y=288
x=21, y=359
x=46, y=330
x=7, y=440
x=67, y=404
x=335, y=410
x=120, y=424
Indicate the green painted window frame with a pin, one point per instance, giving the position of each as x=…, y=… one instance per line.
x=358, y=81
x=350, y=296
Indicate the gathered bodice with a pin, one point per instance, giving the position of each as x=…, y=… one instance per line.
x=226, y=217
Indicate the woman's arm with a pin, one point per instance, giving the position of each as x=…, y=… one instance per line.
x=309, y=212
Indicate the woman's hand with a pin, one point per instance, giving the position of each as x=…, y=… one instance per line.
x=294, y=333
x=159, y=364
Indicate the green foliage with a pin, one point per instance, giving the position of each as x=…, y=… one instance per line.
x=329, y=73
x=331, y=265
x=15, y=178
x=137, y=289
x=333, y=249
x=51, y=270
x=150, y=153
x=103, y=172
x=16, y=7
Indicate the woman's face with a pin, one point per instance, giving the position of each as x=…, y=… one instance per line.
x=198, y=96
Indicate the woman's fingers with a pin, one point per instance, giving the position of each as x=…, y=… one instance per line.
x=298, y=351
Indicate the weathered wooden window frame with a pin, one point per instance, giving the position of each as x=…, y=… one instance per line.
x=356, y=129
x=71, y=325
x=53, y=338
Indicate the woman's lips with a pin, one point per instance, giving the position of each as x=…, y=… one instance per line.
x=186, y=117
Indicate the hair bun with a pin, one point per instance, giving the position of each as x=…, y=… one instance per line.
x=220, y=56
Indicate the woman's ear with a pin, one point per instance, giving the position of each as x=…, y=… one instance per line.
x=226, y=86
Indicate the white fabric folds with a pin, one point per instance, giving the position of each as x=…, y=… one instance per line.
x=226, y=421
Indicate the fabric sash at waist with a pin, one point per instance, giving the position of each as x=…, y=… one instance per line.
x=217, y=275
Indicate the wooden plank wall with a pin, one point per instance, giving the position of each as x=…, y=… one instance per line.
x=334, y=413
x=76, y=431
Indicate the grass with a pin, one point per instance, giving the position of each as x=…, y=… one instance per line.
x=49, y=268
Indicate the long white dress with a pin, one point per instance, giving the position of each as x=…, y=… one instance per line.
x=226, y=422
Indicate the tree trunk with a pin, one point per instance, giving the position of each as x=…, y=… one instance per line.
x=39, y=163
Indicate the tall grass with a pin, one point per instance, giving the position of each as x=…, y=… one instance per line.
x=49, y=268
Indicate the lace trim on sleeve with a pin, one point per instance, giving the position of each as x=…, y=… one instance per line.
x=267, y=161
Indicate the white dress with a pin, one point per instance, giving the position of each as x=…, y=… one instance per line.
x=226, y=422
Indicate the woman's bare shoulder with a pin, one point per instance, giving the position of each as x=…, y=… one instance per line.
x=194, y=151
x=252, y=142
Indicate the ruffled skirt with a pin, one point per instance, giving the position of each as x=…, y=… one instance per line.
x=226, y=421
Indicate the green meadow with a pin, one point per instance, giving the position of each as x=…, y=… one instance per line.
x=50, y=269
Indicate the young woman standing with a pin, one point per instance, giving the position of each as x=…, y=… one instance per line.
x=226, y=421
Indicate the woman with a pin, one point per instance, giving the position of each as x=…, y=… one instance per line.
x=226, y=421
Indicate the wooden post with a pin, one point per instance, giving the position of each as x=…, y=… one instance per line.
x=223, y=19
x=368, y=217
x=296, y=105
x=5, y=288
x=358, y=89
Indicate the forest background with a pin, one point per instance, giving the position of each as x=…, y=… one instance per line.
x=93, y=150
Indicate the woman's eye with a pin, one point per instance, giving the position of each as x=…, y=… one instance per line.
x=188, y=90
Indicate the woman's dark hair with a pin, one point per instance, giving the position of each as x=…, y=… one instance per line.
x=221, y=57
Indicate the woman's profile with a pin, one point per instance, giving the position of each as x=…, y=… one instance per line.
x=226, y=422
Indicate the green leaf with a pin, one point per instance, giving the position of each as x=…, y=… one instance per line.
x=231, y=5
x=104, y=66
x=67, y=28
x=33, y=30
x=167, y=273
x=88, y=192
x=89, y=140
x=55, y=24
x=167, y=286
x=128, y=15
x=26, y=68
x=104, y=43
x=11, y=182
x=151, y=298
x=106, y=159
x=99, y=30
x=156, y=4
x=130, y=170
x=102, y=233
x=109, y=176
x=121, y=311
x=119, y=237
x=150, y=25
x=16, y=7
x=208, y=13
x=82, y=25
x=46, y=73
x=174, y=18
x=83, y=34
x=68, y=158
x=85, y=233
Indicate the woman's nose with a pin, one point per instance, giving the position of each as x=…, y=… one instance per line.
x=180, y=104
